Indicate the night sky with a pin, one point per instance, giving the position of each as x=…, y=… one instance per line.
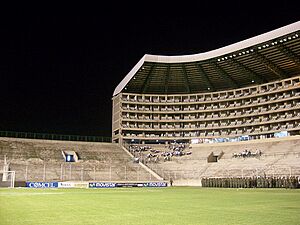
x=58, y=72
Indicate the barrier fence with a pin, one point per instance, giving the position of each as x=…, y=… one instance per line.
x=73, y=172
x=59, y=137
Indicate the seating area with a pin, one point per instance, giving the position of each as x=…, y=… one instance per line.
x=278, y=157
x=43, y=160
x=157, y=153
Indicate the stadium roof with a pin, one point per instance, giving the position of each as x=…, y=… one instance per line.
x=271, y=56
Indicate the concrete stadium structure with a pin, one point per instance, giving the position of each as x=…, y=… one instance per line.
x=44, y=160
x=216, y=106
x=250, y=90
x=244, y=97
x=280, y=158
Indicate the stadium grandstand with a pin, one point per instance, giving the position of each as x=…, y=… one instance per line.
x=233, y=112
x=239, y=100
x=41, y=160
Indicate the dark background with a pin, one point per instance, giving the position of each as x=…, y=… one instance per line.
x=58, y=71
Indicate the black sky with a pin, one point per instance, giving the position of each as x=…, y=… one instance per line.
x=58, y=72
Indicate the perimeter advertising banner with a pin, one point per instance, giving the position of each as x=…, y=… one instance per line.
x=93, y=184
x=156, y=184
x=42, y=184
x=102, y=185
x=129, y=184
x=72, y=184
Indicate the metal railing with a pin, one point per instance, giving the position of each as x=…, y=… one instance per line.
x=60, y=137
x=75, y=172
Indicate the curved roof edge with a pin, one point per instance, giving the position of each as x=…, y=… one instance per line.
x=210, y=54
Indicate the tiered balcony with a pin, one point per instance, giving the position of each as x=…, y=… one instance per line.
x=257, y=110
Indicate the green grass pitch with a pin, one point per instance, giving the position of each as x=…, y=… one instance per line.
x=175, y=205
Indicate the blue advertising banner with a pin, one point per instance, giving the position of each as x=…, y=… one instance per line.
x=42, y=184
x=102, y=185
x=156, y=184
x=129, y=184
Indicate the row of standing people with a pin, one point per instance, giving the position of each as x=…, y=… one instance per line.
x=252, y=182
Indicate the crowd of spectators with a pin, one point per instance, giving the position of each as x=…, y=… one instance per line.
x=247, y=153
x=147, y=154
x=252, y=182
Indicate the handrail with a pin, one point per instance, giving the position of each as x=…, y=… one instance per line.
x=60, y=137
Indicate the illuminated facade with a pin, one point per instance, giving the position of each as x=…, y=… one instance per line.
x=247, y=90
